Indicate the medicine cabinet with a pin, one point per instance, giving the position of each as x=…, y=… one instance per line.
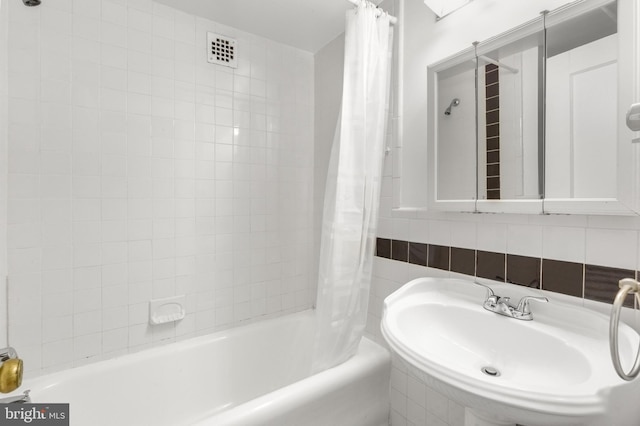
x=533, y=120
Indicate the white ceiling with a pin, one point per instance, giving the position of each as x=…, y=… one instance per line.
x=305, y=24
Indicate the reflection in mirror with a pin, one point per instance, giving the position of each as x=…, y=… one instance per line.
x=509, y=114
x=456, y=138
x=581, y=102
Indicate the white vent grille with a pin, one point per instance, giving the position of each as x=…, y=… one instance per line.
x=222, y=50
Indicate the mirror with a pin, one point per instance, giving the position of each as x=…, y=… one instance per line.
x=456, y=111
x=529, y=121
x=510, y=140
x=582, y=109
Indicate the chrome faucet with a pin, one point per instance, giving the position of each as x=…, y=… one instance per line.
x=19, y=399
x=501, y=305
x=7, y=354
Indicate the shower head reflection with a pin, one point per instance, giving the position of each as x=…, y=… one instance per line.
x=454, y=103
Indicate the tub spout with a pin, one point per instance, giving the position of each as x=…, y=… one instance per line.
x=7, y=354
x=20, y=399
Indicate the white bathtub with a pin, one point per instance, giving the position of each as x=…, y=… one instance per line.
x=251, y=375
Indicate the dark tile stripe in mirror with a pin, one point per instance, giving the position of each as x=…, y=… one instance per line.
x=492, y=131
x=594, y=282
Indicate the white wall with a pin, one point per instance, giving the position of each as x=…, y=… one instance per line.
x=3, y=169
x=329, y=66
x=139, y=171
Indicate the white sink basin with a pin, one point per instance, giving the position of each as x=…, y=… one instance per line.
x=555, y=369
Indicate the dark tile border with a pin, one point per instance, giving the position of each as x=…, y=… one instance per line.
x=523, y=270
x=400, y=250
x=383, y=248
x=463, y=261
x=600, y=282
x=418, y=254
x=490, y=265
x=563, y=277
x=593, y=282
x=438, y=257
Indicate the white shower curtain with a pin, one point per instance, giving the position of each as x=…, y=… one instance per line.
x=353, y=188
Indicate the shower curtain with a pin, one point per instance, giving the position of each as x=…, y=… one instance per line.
x=352, y=191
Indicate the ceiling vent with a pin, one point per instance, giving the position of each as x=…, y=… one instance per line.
x=222, y=50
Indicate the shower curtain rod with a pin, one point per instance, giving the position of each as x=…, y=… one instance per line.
x=500, y=64
x=392, y=19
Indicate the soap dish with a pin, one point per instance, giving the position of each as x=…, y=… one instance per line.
x=166, y=310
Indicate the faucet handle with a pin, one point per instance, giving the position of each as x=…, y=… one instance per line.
x=523, y=304
x=490, y=292
x=8, y=353
x=504, y=300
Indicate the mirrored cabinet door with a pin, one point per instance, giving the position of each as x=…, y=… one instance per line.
x=452, y=126
x=510, y=140
x=456, y=133
x=582, y=110
x=593, y=77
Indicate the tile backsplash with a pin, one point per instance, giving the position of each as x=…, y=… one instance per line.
x=594, y=282
x=137, y=170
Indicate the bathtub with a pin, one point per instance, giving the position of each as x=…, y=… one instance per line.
x=256, y=374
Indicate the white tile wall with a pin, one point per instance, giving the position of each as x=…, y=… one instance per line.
x=137, y=170
x=4, y=93
x=413, y=401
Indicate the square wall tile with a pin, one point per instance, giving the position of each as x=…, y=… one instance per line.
x=524, y=240
x=463, y=261
x=492, y=237
x=418, y=254
x=438, y=257
x=523, y=270
x=400, y=250
x=440, y=232
x=564, y=243
x=601, y=283
x=612, y=247
x=490, y=265
x=383, y=248
x=562, y=277
x=463, y=234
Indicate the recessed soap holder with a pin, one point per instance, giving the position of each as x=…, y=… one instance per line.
x=166, y=310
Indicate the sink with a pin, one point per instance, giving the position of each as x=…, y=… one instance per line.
x=555, y=369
